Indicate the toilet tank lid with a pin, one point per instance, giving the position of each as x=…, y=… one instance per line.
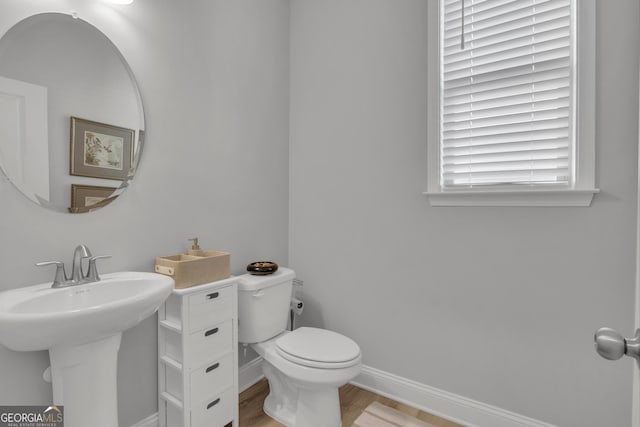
x=249, y=282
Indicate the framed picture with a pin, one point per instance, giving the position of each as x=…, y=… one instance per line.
x=85, y=198
x=99, y=150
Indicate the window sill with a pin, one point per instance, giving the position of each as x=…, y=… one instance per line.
x=537, y=198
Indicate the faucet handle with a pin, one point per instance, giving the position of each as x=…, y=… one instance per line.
x=92, y=274
x=61, y=274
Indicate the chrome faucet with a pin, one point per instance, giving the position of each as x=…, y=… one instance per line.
x=77, y=275
x=81, y=252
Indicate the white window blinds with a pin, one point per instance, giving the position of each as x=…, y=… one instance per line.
x=507, y=97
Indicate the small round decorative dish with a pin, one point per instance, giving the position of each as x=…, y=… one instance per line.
x=262, y=268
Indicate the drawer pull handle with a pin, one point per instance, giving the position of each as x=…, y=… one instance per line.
x=212, y=367
x=211, y=332
x=213, y=295
x=214, y=403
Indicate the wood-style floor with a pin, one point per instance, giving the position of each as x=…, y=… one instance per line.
x=353, y=400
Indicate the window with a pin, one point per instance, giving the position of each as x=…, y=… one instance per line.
x=512, y=102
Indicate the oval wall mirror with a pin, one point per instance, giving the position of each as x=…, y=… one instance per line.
x=71, y=116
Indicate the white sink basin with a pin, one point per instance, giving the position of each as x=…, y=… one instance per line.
x=81, y=326
x=40, y=317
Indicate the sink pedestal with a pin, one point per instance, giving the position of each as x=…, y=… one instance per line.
x=84, y=381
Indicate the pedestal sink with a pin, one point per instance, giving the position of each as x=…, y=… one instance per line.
x=81, y=326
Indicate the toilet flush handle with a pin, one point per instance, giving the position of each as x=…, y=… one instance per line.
x=258, y=294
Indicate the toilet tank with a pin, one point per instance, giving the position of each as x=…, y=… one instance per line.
x=263, y=305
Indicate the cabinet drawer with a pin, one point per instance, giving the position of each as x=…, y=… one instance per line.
x=214, y=377
x=211, y=378
x=209, y=308
x=208, y=344
x=215, y=411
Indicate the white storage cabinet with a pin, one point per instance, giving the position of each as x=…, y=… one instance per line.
x=198, y=356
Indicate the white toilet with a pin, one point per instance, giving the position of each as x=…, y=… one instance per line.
x=304, y=367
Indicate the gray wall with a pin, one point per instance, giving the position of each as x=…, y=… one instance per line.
x=495, y=304
x=214, y=78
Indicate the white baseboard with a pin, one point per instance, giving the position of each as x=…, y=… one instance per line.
x=250, y=373
x=453, y=407
x=150, y=421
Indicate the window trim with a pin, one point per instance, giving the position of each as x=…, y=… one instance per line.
x=583, y=189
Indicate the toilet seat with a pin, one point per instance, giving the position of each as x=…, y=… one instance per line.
x=318, y=348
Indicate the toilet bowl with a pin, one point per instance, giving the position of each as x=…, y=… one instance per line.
x=304, y=367
x=304, y=390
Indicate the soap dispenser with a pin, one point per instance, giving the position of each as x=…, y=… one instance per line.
x=195, y=248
